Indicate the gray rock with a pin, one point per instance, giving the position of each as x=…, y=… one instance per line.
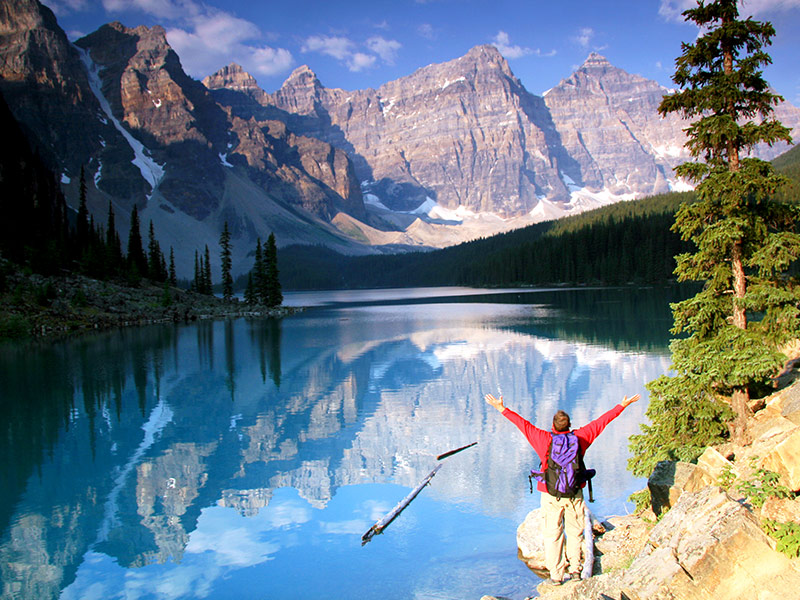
x=670, y=479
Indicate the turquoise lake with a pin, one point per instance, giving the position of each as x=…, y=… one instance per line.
x=246, y=458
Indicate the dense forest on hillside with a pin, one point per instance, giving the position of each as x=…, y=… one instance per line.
x=624, y=242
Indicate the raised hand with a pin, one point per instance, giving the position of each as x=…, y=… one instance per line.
x=496, y=402
x=626, y=401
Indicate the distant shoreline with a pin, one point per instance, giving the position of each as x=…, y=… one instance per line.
x=44, y=307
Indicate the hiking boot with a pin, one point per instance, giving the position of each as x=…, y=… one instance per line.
x=551, y=581
x=575, y=576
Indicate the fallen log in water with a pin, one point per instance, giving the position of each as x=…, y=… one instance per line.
x=391, y=516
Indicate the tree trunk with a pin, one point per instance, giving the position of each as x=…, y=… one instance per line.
x=739, y=316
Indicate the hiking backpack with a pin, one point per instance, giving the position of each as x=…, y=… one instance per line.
x=565, y=472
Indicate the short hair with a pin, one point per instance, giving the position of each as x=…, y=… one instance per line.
x=561, y=421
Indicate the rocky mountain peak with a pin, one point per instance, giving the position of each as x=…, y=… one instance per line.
x=232, y=77
x=23, y=15
x=302, y=76
x=595, y=60
x=485, y=52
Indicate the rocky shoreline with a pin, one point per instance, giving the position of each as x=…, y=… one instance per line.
x=704, y=534
x=36, y=306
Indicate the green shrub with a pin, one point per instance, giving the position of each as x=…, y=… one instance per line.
x=45, y=294
x=79, y=299
x=13, y=327
x=786, y=534
x=766, y=484
x=641, y=500
x=726, y=479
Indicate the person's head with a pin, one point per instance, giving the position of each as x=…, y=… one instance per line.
x=561, y=421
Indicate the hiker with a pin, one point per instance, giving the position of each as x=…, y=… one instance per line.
x=561, y=514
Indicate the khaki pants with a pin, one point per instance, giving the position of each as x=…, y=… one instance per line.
x=564, y=516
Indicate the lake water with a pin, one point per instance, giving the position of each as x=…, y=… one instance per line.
x=246, y=458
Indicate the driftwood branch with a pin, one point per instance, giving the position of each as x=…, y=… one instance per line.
x=391, y=516
x=456, y=451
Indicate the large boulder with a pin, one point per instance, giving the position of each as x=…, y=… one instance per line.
x=710, y=546
x=530, y=544
x=707, y=547
x=671, y=479
x=713, y=463
x=783, y=510
x=623, y=540
x=784, y=459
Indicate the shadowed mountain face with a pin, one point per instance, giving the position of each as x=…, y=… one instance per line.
x=451, y=152
x=119, y=104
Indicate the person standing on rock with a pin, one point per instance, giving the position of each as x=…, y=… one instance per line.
x=563, y=517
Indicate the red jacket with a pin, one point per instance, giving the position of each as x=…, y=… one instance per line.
x=540, y=439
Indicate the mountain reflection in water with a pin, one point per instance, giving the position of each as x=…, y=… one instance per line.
x=245, y=458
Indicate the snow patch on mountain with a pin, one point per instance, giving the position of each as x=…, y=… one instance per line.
x=151, y=171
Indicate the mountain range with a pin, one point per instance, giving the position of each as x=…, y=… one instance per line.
x=451, y=152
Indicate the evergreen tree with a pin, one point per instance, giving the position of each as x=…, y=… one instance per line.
x=82, y=224
x=745, y=242
x=226, y=263
x=153, y=255
x=137, y=260
x=274, y=294
x=113, y=244
x=208, y=287
x=173, y=277
x=196, y=281
x=259, y=275
x=250, y=291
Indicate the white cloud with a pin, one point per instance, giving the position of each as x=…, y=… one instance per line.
x=207, y=38
x=64, y=7
x=584, y=37
x=345, y=50
x=502, y=41
x=386, y=49
x=164, y=9
x=339, y=48
x=269, y=61
x=672, y=10
x=427, y=31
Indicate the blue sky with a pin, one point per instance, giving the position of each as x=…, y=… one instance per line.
x=355, y=45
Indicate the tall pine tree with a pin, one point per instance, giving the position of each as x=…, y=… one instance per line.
x=273, y=284
x=82, y=223
x=137, y=260
x=173, y=277
x=260, y=275
x=113, y=244
x=226, y=263
x=745, y=241
x=208, y=287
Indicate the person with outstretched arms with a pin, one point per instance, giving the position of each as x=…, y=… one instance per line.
x=563, y=515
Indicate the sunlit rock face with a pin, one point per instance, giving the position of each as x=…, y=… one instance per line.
x=609, y=124
x=465, y=133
